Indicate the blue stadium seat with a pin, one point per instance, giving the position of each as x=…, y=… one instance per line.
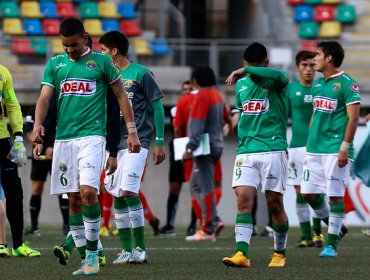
x=32, y=26
x=160, y=47
x=127, y=10
x=303, y=13
x=49, y=9
x=110, y=25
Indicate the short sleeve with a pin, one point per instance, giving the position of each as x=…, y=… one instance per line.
x=238, y=103
x=110, y=70
x=352, y=93
x=151, y=90
x=48, y=76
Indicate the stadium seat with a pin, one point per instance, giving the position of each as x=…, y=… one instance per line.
x=141, y=47
x=303, y=13
x=66, y=9
x=12, y=26
x=57, y=47
x=50, y=27
x=22, y=46
x=295, y=2
x=309, y=45
x=160, y=47
x=346, y=14
x=39, y=46
x=313, y=2
x=324, y=13
x=308, y=29
x=96, y=46
x=130, y=28
x=9, y=9
x=110, y=24
x=32, y=26
x=108, y=10
x=49, y=9
x=127, y=10
x=334, y=2
x=30, y=9
x=93, y=27
x=89, y=10
x=330, y=29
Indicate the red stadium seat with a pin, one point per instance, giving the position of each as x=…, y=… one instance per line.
x=295, y=2
x=50, y=27
x=66, y=9
x=22, y=46
x=130, y=27
x=309, y=46
x=324, y=13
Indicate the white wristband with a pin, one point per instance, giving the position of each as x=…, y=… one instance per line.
x=344, y=146
x=132, y=130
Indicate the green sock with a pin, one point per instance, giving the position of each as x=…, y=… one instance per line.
x=280, y=237
x=69, y=244
x=122, y=217
x=92, y=217
x=136, y=214
x=77, y=228
x=243, y=232
x=316, y=225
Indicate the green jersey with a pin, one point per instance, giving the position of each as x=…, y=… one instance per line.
x=141, y=90
x=300, y=109
x=262, y=103
x=329, y=121
x=81, y=88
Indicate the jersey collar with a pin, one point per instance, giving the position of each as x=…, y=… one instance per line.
x=334, y=76
x=86, y=53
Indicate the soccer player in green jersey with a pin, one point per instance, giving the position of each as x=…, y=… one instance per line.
x=261, y=161
x=146, y=101
x=329, y=145
x=80, y=78
x=300, y=110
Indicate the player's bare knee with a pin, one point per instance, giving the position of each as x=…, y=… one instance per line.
x=127, y=194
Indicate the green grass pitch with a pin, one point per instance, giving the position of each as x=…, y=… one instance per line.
x=174, y=258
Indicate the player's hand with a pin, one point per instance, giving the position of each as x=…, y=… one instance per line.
x=234, y=75
x=37, y=152
x=111, y=165
x=158, y=155
x=226, y=129
x=37, y=134
x=342, y=158
x=133, y=143
x=18, y=153
x=49, y=153
x=187, y=156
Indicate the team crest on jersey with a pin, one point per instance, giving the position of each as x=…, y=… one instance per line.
x=91, y=65
x=355, y=87
x=128, y=83
x=298, y=93
x=255, y=106
x=77, y=87
x=63, y=167
x=336, y=86
x=324, y=104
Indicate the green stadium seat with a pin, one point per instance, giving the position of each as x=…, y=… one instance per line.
x=346, y=14
x=9, y=9
x=330, y=29
x=308, y=29
x=89, y=10
x=313, y=2
x=40, y=46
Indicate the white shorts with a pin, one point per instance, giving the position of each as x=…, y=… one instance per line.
x=77, y=162
x=128, y=175
x=295, y=165
x=264, y=171
x=321, y=174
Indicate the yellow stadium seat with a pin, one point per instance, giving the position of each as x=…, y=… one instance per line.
x=141, y=47
x=333, y=2
x=30, y=9
x=93, y=27
x=108, y=10
x=57, y=46
x=12, y=26
x=330, y=29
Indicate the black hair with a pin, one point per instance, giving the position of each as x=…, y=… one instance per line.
x=89, y=42
x=187, y=82
x=204, y=76
x=255, y=53
x=334, y=49
x=115, y=39
x=71, y=26
x=303, y=55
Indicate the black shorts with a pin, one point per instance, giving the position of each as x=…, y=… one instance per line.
x=176, y=173
x=40, y=169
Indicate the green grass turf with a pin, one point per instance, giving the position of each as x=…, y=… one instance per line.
x=174, y=258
